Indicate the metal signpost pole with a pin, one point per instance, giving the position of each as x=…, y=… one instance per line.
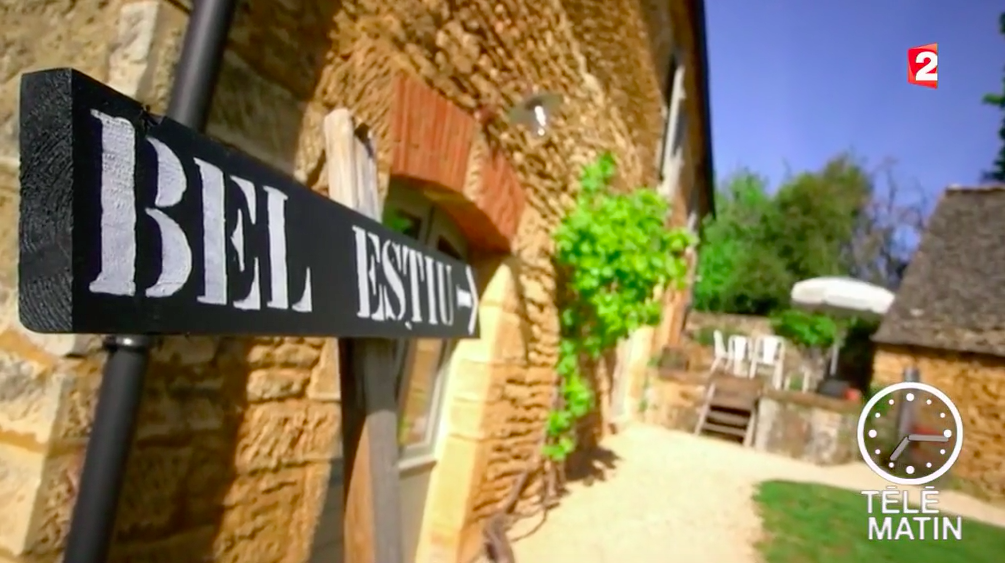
x=107, y=453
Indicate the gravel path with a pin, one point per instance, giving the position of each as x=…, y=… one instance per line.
x=677, y=497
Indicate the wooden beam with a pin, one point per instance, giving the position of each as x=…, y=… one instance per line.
x=372, y=517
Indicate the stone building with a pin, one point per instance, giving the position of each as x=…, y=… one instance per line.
x=237, y=457
x=947, y=321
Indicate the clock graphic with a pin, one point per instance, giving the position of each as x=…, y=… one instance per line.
x=921, y=453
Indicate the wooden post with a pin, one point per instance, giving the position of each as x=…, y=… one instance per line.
x=367, y=378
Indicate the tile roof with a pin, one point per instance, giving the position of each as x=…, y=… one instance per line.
x=953, y=293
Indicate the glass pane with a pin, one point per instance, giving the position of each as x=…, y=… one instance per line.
x=445, y=247
x=405, y=223
x=410, y=226
x=417, y=416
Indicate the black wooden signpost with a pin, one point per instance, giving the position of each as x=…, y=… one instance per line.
x=135, y=224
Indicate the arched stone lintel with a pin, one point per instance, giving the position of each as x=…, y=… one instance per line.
x=438, y=144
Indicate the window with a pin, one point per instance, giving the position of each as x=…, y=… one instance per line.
x=690, y=167
x=669, y=92
x=675, y=162
x=680, y=134
x=421, y=363
x=674, y=131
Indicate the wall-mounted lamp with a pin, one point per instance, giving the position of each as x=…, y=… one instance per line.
x=535, y=111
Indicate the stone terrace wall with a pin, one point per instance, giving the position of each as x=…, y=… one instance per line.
x=807, y=427
x=976, y=384
x=234, y=449
x=747, y=324
x=796, y=360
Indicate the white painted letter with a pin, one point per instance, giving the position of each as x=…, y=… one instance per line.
x=394, y=279
x=214, y=250
x=415, y=274
x=430, y=290
x=275, y=211
x=306, y=302
x=176, y=256
x=362, y=274
x=380, y=314
x=253, y=300
x=366, y=276
x=445, y=285
x=118, y=207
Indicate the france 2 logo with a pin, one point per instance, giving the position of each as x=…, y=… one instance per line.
x=923, y=65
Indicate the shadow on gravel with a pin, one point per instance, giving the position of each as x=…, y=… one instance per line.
x=590, y=463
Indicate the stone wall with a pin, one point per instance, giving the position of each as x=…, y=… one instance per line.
x=976, y=384
x=238, y=436
x=749, y=325
x=810, y=428
x=803, y=426
x=797, y=361
x=674, y=399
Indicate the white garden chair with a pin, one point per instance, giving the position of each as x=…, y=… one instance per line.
x=720, y=359
x=769, y=351
x=739, y=349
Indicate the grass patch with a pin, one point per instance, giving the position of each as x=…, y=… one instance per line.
x=809, y=523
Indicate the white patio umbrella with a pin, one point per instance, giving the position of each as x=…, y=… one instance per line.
x=845, y=296
x=841, y=296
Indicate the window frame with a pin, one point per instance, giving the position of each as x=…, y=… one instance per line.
x=670, y=93
x=671, y=152
x=693, y=217
x=435, y=224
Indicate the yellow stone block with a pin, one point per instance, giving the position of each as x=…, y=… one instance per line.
x=453, y=484
x=186, y=350
x=29, y=397
x=154, y=482
x=56, y=495
x=276, y=383
x=21, y=474
x=466, y=419
x=471, y=380
x=272, y=435
x=502, y=338
x=189, y=546
x=324, y=383
x=209, y=477
x=499, y=281
x=259, y=510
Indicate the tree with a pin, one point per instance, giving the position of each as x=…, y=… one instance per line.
x=850, y=220
x=997, y=172
x=836, y=221
x=887, y=230
x=738, y=271
x=816, y=217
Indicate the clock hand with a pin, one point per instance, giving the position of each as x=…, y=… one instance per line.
x=927, y=438
x=900, y=448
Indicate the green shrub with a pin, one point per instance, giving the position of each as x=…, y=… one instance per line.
x=807, y=330
x=613, y=251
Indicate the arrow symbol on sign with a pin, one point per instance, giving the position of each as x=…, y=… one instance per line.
x=468, y=298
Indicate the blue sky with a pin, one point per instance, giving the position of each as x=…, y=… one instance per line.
x=794, y=82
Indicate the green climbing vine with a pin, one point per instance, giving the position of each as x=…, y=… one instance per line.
x=613, y=251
